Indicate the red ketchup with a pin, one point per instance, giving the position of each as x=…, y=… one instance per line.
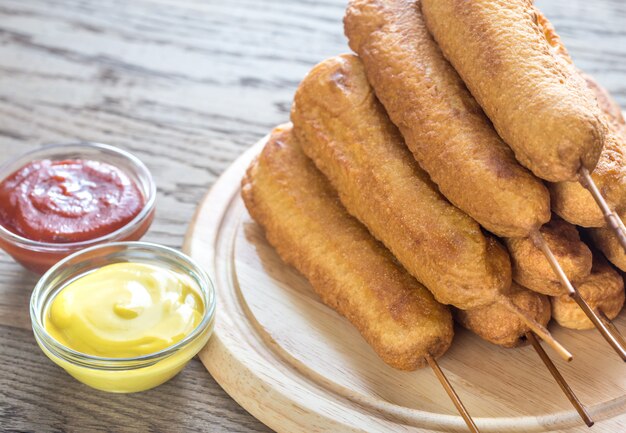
x=68, y=201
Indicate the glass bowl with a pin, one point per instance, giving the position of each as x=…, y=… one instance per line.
x=121, y=375
x=40, y=256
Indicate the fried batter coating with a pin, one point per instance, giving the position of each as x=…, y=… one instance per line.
x=351, y=271
x=570, y=200
x=344, y=129
x=573, y=202
x=531, y=269
x=442, y=124
x=537, y=101
x=603, y=290
x=606, y=241
x=607, y=104
x=551, y=36
x=496, y=324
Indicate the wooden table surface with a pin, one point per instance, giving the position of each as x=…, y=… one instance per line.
x=187, y=85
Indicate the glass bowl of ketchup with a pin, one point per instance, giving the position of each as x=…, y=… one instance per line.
x=59, y=199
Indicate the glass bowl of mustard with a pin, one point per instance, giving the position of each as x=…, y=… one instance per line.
x=62, y=198
x=123, y=317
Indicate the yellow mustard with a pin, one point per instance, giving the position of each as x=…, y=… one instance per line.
x=126, y=310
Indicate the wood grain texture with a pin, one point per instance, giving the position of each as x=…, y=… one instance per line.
x=187, y=85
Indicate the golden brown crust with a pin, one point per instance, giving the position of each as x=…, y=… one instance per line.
x=496, y=324
x=605, y=240
x=531, y=269
x=444, y=127
x=352, y=272
x=551, y=36
x=573, y=202
x=344, y=129
x=603, y=290
x=536, y=99
x=607, y=104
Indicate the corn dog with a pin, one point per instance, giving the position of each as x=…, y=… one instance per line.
x=605, y=240
x=603, y=290
x=537, y=101
x=571, y=200
x=345, y=131
x=352, y=272
x=496, y=324
x=531, y=269
x=442, y=124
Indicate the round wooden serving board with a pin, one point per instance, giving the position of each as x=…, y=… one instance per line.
x=298, y=366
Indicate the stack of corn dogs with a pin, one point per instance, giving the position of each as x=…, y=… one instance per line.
x=424, y=178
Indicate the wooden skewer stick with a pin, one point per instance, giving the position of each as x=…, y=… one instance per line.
x=612, y=218
x=539, y=330
x=609, y=324
x=559, y=379
x=452, y=394
x=621, y=224
x=537, y=238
